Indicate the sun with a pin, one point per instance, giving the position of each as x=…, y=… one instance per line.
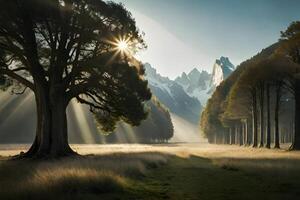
x=122, y=45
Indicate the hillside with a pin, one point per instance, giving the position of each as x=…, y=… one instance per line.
x=210, y=119
x=173, y=96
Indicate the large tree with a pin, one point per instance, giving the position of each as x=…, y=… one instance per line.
x=243, y=99
x=275, y=72
x=65, y=49
x=290, y=47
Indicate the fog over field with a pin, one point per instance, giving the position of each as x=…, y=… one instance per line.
x=166, y=171
x=17, y=123
x=179, y=149
x=149, y=100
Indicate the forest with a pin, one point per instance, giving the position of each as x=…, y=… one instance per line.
x=157, y=128
x=259, y=103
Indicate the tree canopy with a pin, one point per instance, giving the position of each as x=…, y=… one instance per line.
x=157, y=128
x=274, y=74
x=65, y=49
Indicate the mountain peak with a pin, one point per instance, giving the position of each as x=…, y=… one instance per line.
x=221, y=70
x=183, y=79
x=173, y=95
x=195, y=84
x=225, y=62
x=223, y=58
x=150, y=71
x=183, y=75
x=194, y=75
x=193, y=71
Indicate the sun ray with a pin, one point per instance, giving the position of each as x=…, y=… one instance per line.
x=25, y=99
x=130, y=132
x=185, y=131
x=82, y=122
x=112, y=57
x=5, y=98
x=119, y=137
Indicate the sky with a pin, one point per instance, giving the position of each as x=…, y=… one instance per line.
x=184, y=34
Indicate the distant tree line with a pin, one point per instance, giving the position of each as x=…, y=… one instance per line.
x=259, y=103
x=157, y=128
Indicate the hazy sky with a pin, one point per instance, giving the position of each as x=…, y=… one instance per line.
x=183, y=34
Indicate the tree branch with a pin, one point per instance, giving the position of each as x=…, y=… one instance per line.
x=22, y=92
x=83, y=101
x=17, y=77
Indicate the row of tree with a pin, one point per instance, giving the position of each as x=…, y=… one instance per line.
x=259, y=104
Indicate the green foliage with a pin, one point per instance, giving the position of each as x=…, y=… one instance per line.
x=239, y=99
x=70, y=48
x=221, y=106
x=157, y=127
x=123, y=96
x=233, y=99
x=290, y=42
x=272, y=69
x=2, y=81
x=163, y=128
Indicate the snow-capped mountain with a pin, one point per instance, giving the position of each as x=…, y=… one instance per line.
x=196, y=84
x=221, y=70
x=202, y=84
x=173, y=95
x=187, y=94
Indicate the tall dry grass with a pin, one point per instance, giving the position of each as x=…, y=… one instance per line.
x=74, y=178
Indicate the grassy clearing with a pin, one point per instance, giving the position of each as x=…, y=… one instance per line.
x=206, y=179
x=109, y=176
x=157, y=172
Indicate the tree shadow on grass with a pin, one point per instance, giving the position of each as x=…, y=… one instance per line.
x=196, y=177
x=150, y=175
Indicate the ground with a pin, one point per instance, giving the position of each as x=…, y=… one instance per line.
x=173, y=171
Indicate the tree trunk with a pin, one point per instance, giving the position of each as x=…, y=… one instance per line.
x=226, y=136
x=241, y=134
x=296, y=136
x=51, y=139
x=276, y=116
x=232, y=138
x=59, y=131
x=254, y=118
x=246, y=133
x=236, y=137
x=262, y=92
x=268, y=143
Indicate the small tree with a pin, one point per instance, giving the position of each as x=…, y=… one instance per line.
x=65, y=49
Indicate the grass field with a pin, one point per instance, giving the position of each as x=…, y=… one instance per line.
x=174, y=171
